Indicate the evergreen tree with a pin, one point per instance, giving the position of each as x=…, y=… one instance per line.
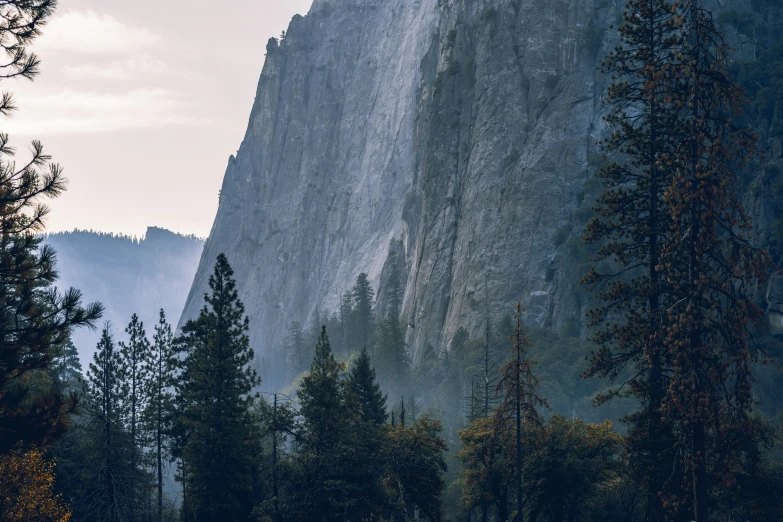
x=66, y=369
x=113, y=486
x=160, y=408
x=134, y=372
x=322, y=399
x=216, y=388
x=363, y=320
x=278, y=422
x=346, y=320
x=36, y=319
x=391, y=355
x=366, y=391
x=632, y=223
x=324, y=412
x=713, y=266
x=339, y=463
x=521, y=398
x=314, y=331
x=296, y=350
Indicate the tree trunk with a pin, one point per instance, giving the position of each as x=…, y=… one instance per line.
x=700, y=507
x=160, y=456
x=502, y=506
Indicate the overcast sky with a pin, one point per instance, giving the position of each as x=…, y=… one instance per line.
x=142, y=103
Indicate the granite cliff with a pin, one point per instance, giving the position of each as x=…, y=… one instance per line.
x=466, y=129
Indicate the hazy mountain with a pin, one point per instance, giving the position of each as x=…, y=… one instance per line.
x=127, y=275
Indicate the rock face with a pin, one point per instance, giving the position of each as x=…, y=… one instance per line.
x=466, y=129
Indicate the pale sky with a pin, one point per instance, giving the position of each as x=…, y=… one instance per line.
x=142, y=103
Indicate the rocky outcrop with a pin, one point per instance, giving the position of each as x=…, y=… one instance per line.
x=508, y=117
x=453, y=138
x=317, y=190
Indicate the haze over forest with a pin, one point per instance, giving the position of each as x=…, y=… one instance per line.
x=507, y=260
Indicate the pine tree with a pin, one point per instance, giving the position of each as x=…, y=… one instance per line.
x=216, y=388
x=277, y=420
x=346, y=321
x=115, y=491
x=363, y=320
x=324, y=412
x=158, y=414
x=632, y=223
x=713, y=266
x=314, y=330
x=322, y=398
x=66, y=369
x=366, y=391
x=134, y=372
x=296, y=350
x=391, y=355
x=521, y=399
x=36, y=318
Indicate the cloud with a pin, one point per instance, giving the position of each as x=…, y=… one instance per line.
x=130, y=69
x=76, y=112
x=88, y=32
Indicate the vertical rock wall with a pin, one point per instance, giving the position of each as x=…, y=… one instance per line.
x=454, y=138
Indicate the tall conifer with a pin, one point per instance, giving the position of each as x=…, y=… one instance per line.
x=366, y=391
x=160, y=408
x=216, y=391
x=521, y=398
x=363, y=316
x=632, y=224
x=135, y=371
x=713, y=266
x=114, y=492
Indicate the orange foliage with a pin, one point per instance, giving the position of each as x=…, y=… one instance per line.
x=26, y=481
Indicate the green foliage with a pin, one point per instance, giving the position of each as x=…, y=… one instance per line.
x=296, y=350
x=159, y=412
x=415, y=456
x=134, y=373
x=66, y=368
x=488, y=460
x=366, y=391
x=395, y=292
x=110, y=482
x=216, y=397
x=570, y=469
x=322, y=399
x=35, y=319
x=391, y=356
x=336, y=473
x=363, y=317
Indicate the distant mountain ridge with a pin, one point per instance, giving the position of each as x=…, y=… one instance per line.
x=127, y=274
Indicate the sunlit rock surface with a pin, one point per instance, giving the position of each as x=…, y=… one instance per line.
x=465, y=128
